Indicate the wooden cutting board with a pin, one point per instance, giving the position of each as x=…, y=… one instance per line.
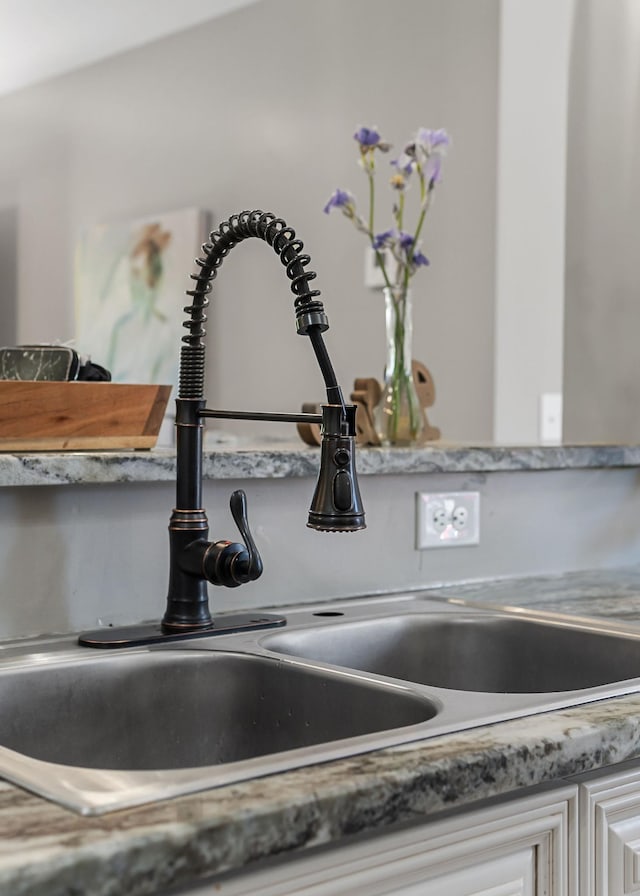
x=48, y=416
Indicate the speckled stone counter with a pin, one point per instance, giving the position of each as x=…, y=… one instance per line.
x=290, y=460
x=48, y=850
x=600, y=594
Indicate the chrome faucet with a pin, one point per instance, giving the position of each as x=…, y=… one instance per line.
x=336, y=505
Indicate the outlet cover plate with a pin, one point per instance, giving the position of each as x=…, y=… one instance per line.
x=447, y=519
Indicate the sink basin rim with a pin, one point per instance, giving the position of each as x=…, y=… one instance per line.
x=490, y=652
x=95, y=790
x=84, y=791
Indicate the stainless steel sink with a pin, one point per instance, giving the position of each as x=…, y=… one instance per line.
x=187, y=708
x=471, y=652
x=98, y=730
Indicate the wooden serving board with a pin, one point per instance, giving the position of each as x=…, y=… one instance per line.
x=48, y=416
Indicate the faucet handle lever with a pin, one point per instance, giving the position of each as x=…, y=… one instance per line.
x=253, y=566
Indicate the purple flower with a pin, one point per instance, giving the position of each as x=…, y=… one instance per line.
x=399, y=252
x=433, y=139
x=338, y=199
x=407, y=243
x=405, y=240
x=383, y=239
x=404, y=164
x=369, y=138
x=420, y=259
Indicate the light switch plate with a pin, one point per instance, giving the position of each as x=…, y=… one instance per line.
x=551, y=418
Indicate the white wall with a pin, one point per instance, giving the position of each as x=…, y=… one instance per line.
x=603, y=281
x=40, y=40
x=535, y=42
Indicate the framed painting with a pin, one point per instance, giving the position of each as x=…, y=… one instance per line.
x=130, y=282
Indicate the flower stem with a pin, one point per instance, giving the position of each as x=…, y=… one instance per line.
x=425, y=202
x=372, y=202
x=401, y=399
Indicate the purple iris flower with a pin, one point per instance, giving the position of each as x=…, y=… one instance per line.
x=420, y=259
x=381, y=239
x=338, y=199
x=404, y=164
x=406, y=241
x=367, y=137
x=433, y=139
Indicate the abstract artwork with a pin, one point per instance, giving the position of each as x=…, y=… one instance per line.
x=130, y=282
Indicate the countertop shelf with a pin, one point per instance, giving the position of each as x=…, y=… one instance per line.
x=281, y=460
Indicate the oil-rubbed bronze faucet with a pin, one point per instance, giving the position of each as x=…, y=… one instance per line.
x=336, y=505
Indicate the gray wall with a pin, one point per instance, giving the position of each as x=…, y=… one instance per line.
x=257, y=110
x=602, y=323
x=75, y=556
x=8, y=275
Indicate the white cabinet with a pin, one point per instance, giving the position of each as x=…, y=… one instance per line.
x=519, y=847
x=609, y=808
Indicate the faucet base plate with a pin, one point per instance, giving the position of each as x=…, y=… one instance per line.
x=153, y=633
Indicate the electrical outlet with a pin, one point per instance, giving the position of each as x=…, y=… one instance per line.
x=447, y=519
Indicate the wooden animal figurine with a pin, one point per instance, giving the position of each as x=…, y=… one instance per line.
x=310, y=432
x=366, y=395
x=426, y=392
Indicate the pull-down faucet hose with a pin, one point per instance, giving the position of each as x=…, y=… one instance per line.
x=311, y=319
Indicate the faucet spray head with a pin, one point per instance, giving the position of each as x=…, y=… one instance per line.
x=336, y=504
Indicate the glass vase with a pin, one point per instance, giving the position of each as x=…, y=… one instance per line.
x=399, y=419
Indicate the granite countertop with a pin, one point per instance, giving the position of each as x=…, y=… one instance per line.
x=245, y=460
x=613, y=595
x=45, y=849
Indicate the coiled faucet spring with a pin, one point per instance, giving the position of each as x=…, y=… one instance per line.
x=308, y=309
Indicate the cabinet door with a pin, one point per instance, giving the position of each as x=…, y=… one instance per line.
x=523, y=847
x=609, y=809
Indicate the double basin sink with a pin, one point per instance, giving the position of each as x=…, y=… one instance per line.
x=98, y=730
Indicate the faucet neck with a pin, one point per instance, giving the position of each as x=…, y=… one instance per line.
x=311, y=319
x=189, y=435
